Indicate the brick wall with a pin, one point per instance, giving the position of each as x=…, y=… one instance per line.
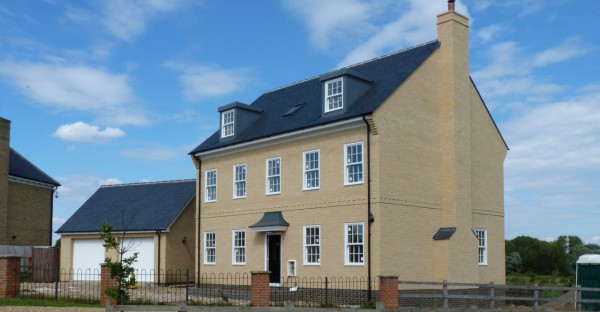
x=30, y=215
x=260, y=289
x=9, y=276
x=4, y=152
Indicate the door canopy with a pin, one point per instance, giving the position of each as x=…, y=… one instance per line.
x=271, y=222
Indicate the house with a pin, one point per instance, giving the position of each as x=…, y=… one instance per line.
x=156, y=219
x=26, y=197
x=393, y=166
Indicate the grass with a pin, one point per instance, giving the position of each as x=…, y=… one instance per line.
x=46, y=303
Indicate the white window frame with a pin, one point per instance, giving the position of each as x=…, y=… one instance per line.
x=347, y=163
x=482, y=246
x=206, y=185
x=306, y=171
x=268, y=191
x=348, y=244
x=226, y=121
x=236, y=182
x=328, y=96
x=206, y=247
x=306, y=245
x=235, y=247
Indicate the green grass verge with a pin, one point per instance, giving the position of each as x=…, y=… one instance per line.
x=45, y=303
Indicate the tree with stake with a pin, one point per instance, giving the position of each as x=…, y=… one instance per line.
x=121, y=269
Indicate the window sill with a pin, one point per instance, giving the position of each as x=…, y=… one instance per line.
x=354, y=264
x=269, y=194
x=311, y=189
x=356, y=183
x=311, y=264
x=239, y=198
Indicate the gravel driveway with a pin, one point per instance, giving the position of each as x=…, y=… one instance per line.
x=49, y=309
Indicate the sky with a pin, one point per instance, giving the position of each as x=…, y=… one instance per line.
x=120, y=91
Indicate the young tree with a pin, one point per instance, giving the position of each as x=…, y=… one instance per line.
x=122, y=267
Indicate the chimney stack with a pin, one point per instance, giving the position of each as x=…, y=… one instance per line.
x=4, y=157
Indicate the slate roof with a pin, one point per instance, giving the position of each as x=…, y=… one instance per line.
x=20, y=167
x=387, y=72
x=136, y=207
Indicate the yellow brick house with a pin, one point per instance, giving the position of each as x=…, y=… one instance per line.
x=393, y=166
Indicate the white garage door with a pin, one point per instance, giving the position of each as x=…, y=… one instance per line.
x=144, y=266
x=87, y=256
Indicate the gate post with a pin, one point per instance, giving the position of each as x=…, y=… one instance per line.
x=388, y=292
x=261, y=292
x=9, y=276
x=105, y=282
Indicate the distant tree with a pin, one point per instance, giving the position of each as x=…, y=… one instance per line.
x=57, y=243
x=514, y=263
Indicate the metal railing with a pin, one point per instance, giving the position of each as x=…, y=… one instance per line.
x=325, y=291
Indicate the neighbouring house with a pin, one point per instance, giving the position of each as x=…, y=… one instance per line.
x=26, y=197
x=156, y=219
x=393, y=166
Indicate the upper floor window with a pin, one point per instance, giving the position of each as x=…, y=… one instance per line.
x=353, y=153
x=210, y=248
x=355, y=244
x=239, y=181
x=239, y=247
x=274, y=176
x=334, y=99
x=227, y=123
x=312, y=245
x=311, y=170
x=482, y=242
x=211, y=185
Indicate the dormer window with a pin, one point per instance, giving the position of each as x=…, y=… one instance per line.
x=334, y=99
x=227, y=123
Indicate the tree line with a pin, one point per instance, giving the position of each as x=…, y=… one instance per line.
x=528, y=255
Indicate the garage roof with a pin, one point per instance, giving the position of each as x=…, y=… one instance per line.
x=138, y=207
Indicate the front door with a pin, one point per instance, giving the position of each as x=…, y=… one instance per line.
x=274, y=257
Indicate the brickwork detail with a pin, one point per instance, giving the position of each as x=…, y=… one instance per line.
x=9, y=276
x=105, y=282
x=261, y=292
x=388, y=292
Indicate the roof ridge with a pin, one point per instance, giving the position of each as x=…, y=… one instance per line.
x=354, y=65
x=34, y=167
x=147, y=183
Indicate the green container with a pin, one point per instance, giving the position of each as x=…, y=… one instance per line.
x=588, y=275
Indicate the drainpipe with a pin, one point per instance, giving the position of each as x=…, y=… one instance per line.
x=198, y=201
x=158, y=234
x=370, y=218
x=52, y=212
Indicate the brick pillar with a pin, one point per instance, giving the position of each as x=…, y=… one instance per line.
x=9, y=276
x=105, y=282
x=388, y=292
x=261, y=292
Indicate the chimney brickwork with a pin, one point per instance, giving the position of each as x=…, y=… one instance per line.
x=455, y=147
x=4, y=158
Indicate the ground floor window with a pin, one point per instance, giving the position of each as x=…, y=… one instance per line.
x=355, y=244
x=239, y=247
x=312, y=244
x=210, y=248
x=482, y=240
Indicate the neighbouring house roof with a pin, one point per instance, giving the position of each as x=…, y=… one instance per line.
x=139, y=207
x=385, y=74
x=20, y=167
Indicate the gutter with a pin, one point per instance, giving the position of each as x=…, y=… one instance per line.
x=370, y=218
x=158, y=234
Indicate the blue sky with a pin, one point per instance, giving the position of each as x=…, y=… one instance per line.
x=103, y=92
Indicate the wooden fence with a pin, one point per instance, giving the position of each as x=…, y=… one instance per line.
x=494, y=295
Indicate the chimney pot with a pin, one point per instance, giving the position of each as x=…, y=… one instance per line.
x=451, y=5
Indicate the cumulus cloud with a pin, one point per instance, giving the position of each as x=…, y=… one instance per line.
x=488, y=33
x=203, y=81
x=75, y=87
x=82, y=132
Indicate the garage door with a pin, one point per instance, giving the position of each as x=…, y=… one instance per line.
x=87, y=256
x=144, y=266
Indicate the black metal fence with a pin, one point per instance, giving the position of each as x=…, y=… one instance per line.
x=326, y=292
x=55, y=284
x=221, y=289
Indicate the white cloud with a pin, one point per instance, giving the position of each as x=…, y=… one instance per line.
x=75, y=189
x=203, y=81
x=366, y=29
x=569, y=49
x=75, y=87
x=489, y=33
x=110, y=181
x=82, y=132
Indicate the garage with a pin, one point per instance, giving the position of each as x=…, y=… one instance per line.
x=87, y=256
x=144, y=266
